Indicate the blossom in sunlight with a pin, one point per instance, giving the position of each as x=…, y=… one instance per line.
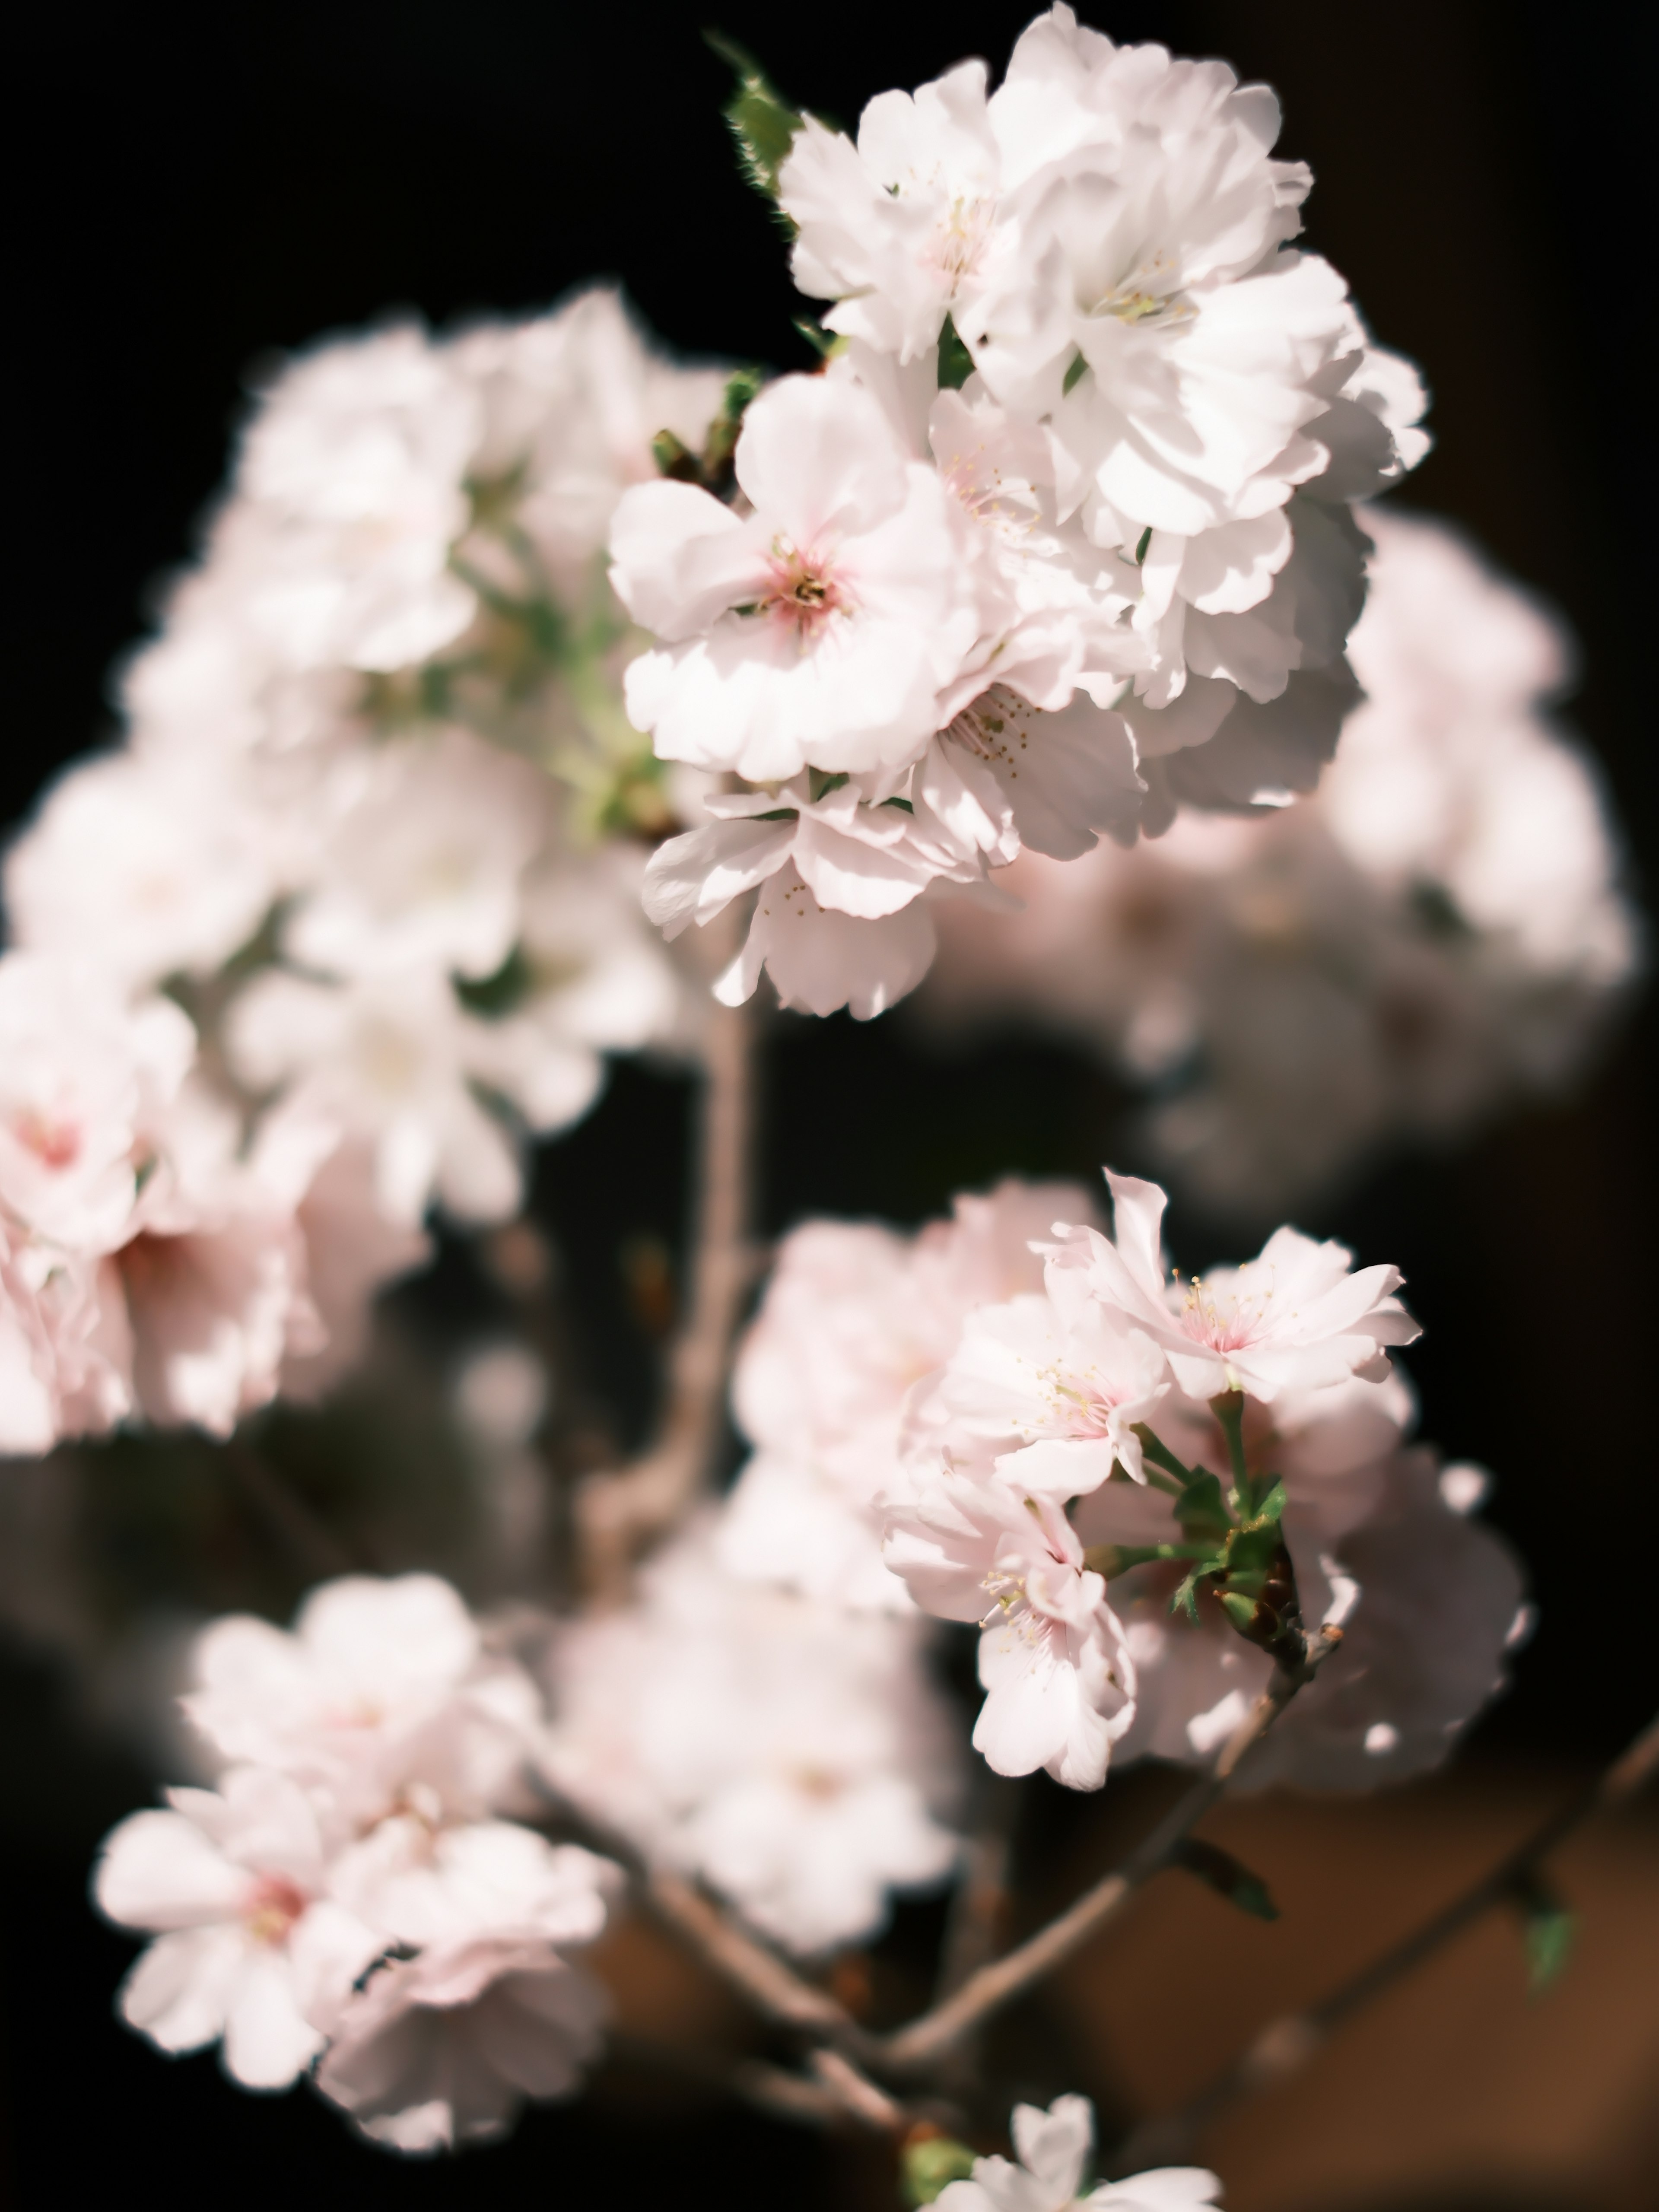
x=854, y=1318
x=822, y=629
x=1383, y=1544
x=442, y=2046
x=793, y=1754
x=250, y=1948
x=1296, y=1316
x=1440, y=929
x=1059, y=1678
x=1052, y=2153
x=383, y=1693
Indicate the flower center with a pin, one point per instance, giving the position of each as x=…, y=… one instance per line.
x=1145, y=295
x=271, y=1907
x=956, y=245
x=1227, y=1323
x=803, y=591
x=55, y=1144
x=994, y=727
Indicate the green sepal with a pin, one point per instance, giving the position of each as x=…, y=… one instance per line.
x=1109, y=1560
x=929, y=2165
x=820, y=783
x=761, y=122
x=1140, y=549
x=956, y=363
x=824, y=344
x=674, y=458
x=905, y=804
x=1201, y=1505
x=1229, y=1877
x=1075, y=374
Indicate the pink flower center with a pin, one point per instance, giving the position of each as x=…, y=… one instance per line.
x=271, y=1907
x=55, y=1144
x=802, y=591
x=1225, y=1324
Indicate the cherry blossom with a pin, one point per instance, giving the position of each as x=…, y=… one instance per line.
x=249, y=1947
x=1052, y=2154
x=1059, y=1676
x=1295, y=1316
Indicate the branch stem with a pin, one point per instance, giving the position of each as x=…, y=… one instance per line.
x=1287, y=2045
x=919, y=2045
x=619, y=1514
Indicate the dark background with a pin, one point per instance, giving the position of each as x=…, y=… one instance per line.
x=190, y=191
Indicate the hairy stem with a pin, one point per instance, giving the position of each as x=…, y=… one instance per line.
x=1287, y=2045
x=920, y=2045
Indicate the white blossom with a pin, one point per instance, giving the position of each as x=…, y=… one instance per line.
x=1052, y=2155
x=793, y=1754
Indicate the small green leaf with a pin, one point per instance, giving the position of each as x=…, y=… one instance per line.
x=1075, y=374
x=674, y=458
x=1220, y=1871
x=760, y=119
x=1548, y=1929
x=904, y=803
x=956, y=363
x=824, y=343
x=1146, y=540
x=820, y=785
x=1201, y=1506
x=930, y=2164
x=1272, y=1507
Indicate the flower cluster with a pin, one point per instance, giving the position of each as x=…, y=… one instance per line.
x=1061, y=541
x=792, y=1753
x=1439, y=927
x=349, y=1900
x=372, y=827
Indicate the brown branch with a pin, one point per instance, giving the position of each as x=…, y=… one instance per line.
x=1287, y=2045
x=772, y=1986
x=619, y=1514
x=770, y=2088
x=924, y=2039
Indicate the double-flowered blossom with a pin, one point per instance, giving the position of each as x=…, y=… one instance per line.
x=1440, y=928
x=333, y=836
x=1033, y=1441
x=1048, y=2173
x=855, y=1317
x=793, y=1754
x=350, y=1899
x=1107, y=572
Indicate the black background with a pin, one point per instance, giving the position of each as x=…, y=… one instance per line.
x=190, y=191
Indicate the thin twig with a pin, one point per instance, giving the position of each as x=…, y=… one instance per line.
x=772, y=1986
x=1287, y=2045
x=921, y=2043
x=770, y=2088
x=618, y=1514
x=310, y=1543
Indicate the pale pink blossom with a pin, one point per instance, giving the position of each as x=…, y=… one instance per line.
x=1052, y=2155
x=821, y=628
x=1059, y=1677
x=382, y=1694
x=249, y=1947
x=855, y=1318
x=1295, y=1316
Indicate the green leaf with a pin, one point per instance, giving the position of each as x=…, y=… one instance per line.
x=1113, y=1559
x=1548, y=1929
x=1146, y=540
x=820, y=785
x=1220, y=1871
x=761, y=122
x=956, y=363
x=1201, y=1505
x=931, y=2164
x=1272, y=1507
x=674, y=458
x=1075, y=374
x=905, y=803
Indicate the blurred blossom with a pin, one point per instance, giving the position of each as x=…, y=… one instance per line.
x=1052, y=2153
x=1440, y=928
x=350, y=1893
x=793, y=1754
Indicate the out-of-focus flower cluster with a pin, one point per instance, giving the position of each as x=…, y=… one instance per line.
x=1061, y=541
x=1439, y=927
x=1005, y=1397
x=376, y=831
x=352, y=1898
